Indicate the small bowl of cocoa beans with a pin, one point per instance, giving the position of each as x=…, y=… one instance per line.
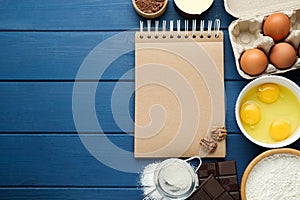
x=150, y=9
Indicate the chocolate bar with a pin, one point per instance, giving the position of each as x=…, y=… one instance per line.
x=211, y=189
x=225, y=173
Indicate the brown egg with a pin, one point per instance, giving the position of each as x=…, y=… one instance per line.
x=254, y=62
x=277, y=26
x=283, y=55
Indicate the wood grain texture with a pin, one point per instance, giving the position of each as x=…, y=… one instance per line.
x=59, y=55
x=47, y=106
x=85, y=15
x=70, y=193
x=43, y=44
x=55, y=55
x=62, y=160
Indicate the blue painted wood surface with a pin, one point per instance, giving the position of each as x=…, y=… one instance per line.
x=58, y=55
x=85, y=15
x=23, y=104
x=53, y=100
x=42, y=45
x=62, y=160
x=70, y=193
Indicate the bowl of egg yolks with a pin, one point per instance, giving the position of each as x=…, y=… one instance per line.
x=267, y=111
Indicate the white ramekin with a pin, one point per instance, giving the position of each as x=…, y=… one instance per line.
x=261, y=80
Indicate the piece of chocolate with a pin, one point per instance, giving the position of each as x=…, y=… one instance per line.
x=224, y=172
x=226, y=168
x=200, y=194
x=206, y=169
x=225, y=196
x=211, y=189
x=235, y=195
x=230, y=183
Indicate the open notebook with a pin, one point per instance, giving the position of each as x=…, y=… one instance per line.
x=179, y=90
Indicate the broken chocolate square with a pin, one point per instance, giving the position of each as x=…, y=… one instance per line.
x=225, y=173
x=211, y=189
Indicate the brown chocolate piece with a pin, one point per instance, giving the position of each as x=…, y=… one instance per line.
x=225, y=173
x=206, y=169
x=230, y=183
x=226, y=168
x=235, y=195
x=211, y=189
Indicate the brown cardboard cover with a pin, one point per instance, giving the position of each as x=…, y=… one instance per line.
x=179, y=95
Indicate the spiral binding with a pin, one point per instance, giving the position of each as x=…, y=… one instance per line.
x=215, y=32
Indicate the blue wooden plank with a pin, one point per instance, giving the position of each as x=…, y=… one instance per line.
x=232, y=90
x=85, y=15
x=55, y=55
x=59, y=55
x=47, y=106
x=61, y=160
x=70, y=193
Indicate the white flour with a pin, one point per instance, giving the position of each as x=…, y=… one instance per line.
x=174, y=178
x=275, y=177
x=147, y=181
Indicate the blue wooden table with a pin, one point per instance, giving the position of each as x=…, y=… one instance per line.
x=42, y=156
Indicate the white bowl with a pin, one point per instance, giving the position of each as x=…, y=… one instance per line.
x=261, y=80
x=192, y=7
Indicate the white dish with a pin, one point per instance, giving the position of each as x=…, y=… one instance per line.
x=192, y=7
x=261, y=80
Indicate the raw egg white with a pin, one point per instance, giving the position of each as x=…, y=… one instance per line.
x=270, y=113
x=277, y=26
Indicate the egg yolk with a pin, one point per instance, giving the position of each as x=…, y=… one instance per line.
x=250, y=113
x=280, y=129
x=268, y=93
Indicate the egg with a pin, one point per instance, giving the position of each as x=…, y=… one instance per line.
x=283, y=55
x=253, y=62
x=277, y=26
x=280, y=129
x=268, y=92
x=269, y=122
x=250, y=113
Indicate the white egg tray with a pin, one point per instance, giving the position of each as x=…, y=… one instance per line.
x=246, y=32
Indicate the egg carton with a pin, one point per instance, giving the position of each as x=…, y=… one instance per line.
x=246, y=32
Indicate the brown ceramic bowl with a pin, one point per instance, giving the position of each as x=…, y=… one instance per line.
x=258, y=159
x=150, y=15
